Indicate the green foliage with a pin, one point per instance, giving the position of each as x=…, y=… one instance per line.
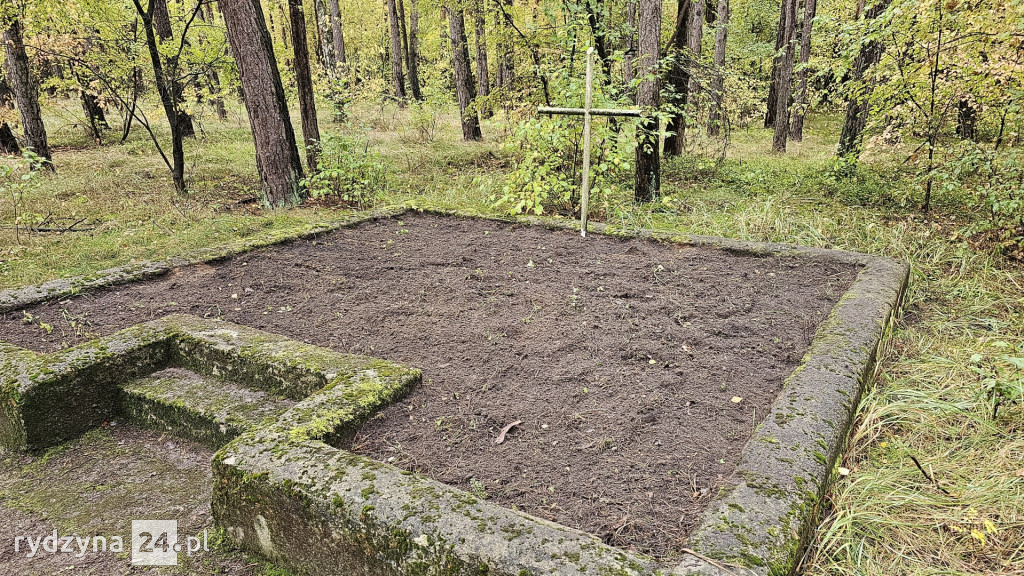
x=546, y=177
x=15, y=181
x=1002, y=376
x=349, y=172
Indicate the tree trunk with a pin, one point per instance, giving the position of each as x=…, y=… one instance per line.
x=323, y=36
x=715, y=120
x=857, y=105
x=166, y=92
x=503, y=76
x=648, y=160
x=162, y=25
x=277, y=157
x=304, y=82
x=597, y=29
x=678, y=79
x=463, y=75
x=773, y=85
x=628, y=74
x=337, y=35
x=26, y=92
x=397, y=76
x=413, y=55
x=800, y=109
x=785, y=88
x=483, y=82
x=8, y=141
x=94, y=115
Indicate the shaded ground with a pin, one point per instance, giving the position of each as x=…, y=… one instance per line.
x=98, y=484
x=636, y=370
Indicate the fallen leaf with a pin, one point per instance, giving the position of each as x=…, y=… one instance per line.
x=736, y=399
x=844, y=471
x=501, y=436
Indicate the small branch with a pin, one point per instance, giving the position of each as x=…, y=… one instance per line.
x=929, y=476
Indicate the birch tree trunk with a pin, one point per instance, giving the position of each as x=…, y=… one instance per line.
x=338, y=35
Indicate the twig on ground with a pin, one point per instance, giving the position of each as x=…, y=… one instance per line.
x=929, y=476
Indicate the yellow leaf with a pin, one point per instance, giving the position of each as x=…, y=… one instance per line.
x=736, y=399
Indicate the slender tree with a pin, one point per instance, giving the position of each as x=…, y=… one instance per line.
x=304, y=82
x=773, y=84
x=277, y=157
x=397, y=75
x=857, y=104
x=785, y=89
x=464, y=89
x=26, y=90
x=162, y=25
x=338, y=35
x=800, y=109
x=648, y=160
x=413, y=55
x=678, y=79
x=212, y=76
x=483, y=83
x=718, y=82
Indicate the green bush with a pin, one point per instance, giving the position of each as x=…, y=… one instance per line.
x=548, y=159
x=348, y=172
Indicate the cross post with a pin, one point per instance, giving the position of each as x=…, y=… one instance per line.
x=587, y=112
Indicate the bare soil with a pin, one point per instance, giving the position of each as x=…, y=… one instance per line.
x=636, y=370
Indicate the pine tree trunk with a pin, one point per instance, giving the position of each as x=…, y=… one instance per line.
x=800, y=108
x=397, y=75
x=678, y=79
x=773, y=85
x=277, y=157
x=304, y=82
x=26, y=92
x=716, y=117
x=338, y=35
x=413, y=55
x=857, y=105
x=648, y=160
x=464, y=89
x=483, y=82
x=785, y=88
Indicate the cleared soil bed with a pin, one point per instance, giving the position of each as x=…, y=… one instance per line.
x=637, y=370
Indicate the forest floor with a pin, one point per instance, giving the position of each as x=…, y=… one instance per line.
x=964, y=309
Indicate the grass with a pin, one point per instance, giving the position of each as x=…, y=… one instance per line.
x=964, y=309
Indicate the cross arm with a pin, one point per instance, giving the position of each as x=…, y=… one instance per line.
x=593, y=112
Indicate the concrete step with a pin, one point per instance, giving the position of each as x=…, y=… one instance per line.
x=198, y=407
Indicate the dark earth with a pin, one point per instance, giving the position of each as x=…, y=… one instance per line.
x=637, y=370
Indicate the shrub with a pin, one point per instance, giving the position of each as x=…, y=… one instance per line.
x=348, y=172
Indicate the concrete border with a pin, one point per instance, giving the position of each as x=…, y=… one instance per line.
x=758, y=523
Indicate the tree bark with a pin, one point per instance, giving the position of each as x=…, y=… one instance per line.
x=504, y=72
x=413, y=55
x=678, y=79
x=648, y=160
x=785, y=88
x=718, y=83
x=213, y=78
x=463, y=75
x=26, y=92
x=800, y=108
x=397, y=75
x=597, y=29
x=773, y=85
x=857, y=105
x=483, y=82
x=277, y=157
x=323, y=37
x=337, y=35
x=304, y=82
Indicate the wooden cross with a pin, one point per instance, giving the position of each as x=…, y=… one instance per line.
x=587, y=111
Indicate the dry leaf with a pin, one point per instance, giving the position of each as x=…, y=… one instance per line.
x=501, y=436
x=844, y=471
x=736, y=399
